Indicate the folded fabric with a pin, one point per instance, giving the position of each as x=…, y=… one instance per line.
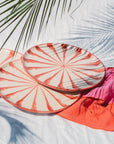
x=96, y=108
x=105, y=90
x=91, y=112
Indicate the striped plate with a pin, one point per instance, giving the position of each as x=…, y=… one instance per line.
x=64, y=67
x=21, y=90
x=6, y=55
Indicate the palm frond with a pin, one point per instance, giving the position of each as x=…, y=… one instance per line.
x=97, y=35
x=76, y=7
x=70, y=5
x=63, y=6
x=58, y=5
x=14, y=29
x=50, y=10
x=17, y=5
x=16, y=14
x=32, y=12
x=6, y=2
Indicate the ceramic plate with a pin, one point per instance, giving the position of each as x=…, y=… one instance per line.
x=21, y=90
x=64, y=67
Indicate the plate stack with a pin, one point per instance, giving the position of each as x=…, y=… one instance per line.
x=49, y=77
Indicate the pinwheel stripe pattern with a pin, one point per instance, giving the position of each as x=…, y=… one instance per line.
x=21, y=90
x=63, y=67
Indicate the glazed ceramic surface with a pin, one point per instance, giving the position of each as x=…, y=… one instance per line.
x=64, y=67
x=21, y=90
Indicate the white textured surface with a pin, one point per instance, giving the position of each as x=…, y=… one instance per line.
x=54, y=129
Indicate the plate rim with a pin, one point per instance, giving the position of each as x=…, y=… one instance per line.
x=62, y=89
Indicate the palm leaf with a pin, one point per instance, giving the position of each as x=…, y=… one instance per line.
x=97, y=36
x=31, y=11
x=16, y=14
x=6, y=2
x=20, y=132
x=14, y=28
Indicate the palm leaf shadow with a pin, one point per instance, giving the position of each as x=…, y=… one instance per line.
x=35, y=13
x=20, y=133
x=98, y=36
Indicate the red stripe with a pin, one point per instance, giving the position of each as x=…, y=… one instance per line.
x=35, y=61
x=5, y=88
x=93, y=77
x=61, y=81
x=64, y=49
x=76, y=54
x=73, y=84
x=13, y=93
x=94, y=63
x=34, y=54
x=25, y=74
x=50, y=78
x=31, y=68
x=95, y=70
x=63, y=105
x=54, y=50
x=6, y=72
x=20, y=101
x=38, y=75
x=48, y=105
x=5, y=79
x=89, y=83
x=86, y=57
x=34, y=105
x=38, y=49
x=9, y=56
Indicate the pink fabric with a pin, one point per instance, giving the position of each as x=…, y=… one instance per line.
x=105, y=90
x=96, y=107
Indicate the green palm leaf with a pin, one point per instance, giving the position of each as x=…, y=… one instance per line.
x=31, y=11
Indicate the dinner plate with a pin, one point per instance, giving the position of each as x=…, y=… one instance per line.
x=21, y=90
x=63, y=67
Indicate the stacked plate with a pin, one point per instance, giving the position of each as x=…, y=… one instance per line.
x=49, y=77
